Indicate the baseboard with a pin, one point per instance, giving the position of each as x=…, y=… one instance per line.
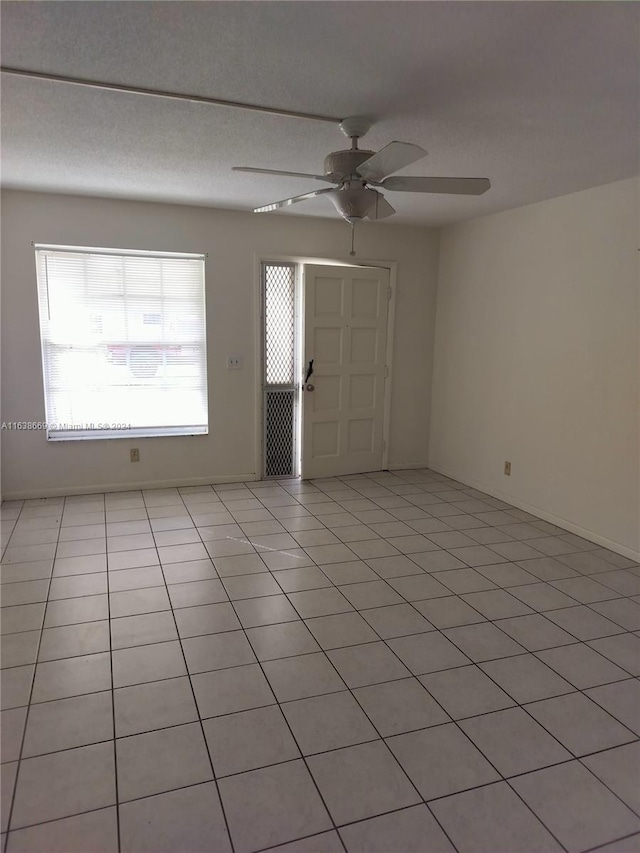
x=407, y=466
x=596, y=538
x=99, y=488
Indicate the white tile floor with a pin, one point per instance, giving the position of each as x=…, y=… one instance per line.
x=389, y=662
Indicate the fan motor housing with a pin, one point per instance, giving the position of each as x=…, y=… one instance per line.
x=345, y=163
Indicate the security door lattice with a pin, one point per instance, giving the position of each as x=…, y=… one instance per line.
x=280, y=390
x=279, y=447
x=279, y=312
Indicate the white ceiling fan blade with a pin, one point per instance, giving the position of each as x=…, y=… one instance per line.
x=452, y=186
x=382, y=209
x=389, y=159
x=328, y=178
x=276, y=205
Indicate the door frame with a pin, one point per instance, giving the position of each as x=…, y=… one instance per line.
x=327, y=260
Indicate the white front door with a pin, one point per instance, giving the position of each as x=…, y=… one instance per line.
x=345, y=336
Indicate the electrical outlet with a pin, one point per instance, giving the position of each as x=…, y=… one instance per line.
x=234, y=362
x=507, y=469
x=134, y=453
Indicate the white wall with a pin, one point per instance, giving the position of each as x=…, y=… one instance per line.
x=30, y=466
x=536, y=360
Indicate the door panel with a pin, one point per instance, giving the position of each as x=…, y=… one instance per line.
x=345, y=333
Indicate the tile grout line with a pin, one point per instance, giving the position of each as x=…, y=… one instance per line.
x=630, y=836
x=195, y=701
x=113, y=695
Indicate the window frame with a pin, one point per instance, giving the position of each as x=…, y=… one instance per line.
x=117, y=428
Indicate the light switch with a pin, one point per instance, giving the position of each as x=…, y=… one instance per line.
x=234, y=362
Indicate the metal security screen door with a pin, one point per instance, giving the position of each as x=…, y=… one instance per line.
x=345, y=334
x=280, y=386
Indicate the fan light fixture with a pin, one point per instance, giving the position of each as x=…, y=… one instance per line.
x=354, y=203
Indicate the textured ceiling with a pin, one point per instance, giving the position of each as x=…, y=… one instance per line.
x=541, y=97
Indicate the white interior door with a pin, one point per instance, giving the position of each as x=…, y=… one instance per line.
x=345, y=335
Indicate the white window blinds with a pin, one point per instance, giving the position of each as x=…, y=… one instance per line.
x=123, y=342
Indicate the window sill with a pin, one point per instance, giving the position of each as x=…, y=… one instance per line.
x=134, y=432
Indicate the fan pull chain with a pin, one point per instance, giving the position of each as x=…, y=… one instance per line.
x=353, y=231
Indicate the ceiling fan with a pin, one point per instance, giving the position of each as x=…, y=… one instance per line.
x=355, y=171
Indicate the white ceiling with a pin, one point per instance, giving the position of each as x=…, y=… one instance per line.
x=541, y=97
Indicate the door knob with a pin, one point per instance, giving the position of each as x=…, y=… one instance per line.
x=310, y=386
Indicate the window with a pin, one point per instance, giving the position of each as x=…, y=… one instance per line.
x=123, y=342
